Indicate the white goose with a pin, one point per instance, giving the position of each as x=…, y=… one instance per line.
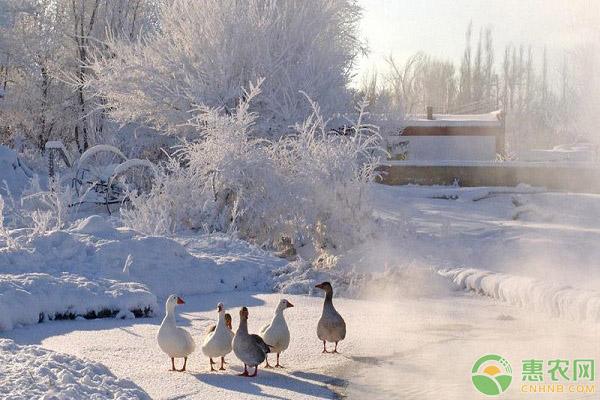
x=174, y=341
x=277, y=334
x=218, y=340
x=250, y=349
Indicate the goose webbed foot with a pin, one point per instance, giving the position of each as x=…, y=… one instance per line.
x=267, y=365
x=278, y=365
x=245, y=373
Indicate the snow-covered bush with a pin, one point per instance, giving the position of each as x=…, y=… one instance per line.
x=37, y=212
x=206, y=50
x=5, y=235
x=311, y=187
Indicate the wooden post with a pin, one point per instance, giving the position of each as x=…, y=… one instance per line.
x=51, y=163
x=429, y=112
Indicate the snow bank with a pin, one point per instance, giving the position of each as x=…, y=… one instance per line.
x=29, y=372
x=554, y=299
x=94, y=249
x=13, y=172
x=35, y=297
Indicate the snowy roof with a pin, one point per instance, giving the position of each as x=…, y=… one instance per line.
x=488, y=119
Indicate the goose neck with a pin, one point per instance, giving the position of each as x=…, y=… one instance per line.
x=243, y=328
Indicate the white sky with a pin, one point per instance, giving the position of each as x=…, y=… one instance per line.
x=403, y=27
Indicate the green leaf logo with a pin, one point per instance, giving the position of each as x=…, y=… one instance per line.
x=491, y=374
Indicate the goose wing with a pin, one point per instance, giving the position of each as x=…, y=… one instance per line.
x=264, y=329
x=260, y=343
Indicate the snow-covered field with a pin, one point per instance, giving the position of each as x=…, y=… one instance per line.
x=524, y=259
x=407, y=348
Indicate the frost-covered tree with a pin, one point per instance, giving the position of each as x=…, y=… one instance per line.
x=206, y=50
x=465, y=87
x=420, y=82
x=45, y=48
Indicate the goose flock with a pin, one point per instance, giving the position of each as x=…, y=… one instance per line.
x=250, y=349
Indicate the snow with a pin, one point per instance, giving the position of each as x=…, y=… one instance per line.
x=36, y=297
x=579, y=152
x=94, y=267
x=542, y=296
x=132, y=163
x=99, y=148
x=452, y=271
x=34, y=372
x=55, y=144
x=14, y=174
x=457, y=119
x=491, y=227
x=396, y=348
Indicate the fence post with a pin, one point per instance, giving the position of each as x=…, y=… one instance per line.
x=51, y=163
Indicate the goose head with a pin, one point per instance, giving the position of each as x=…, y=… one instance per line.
x=325, y=286
x=244, y=314
x=172, y=301
x=220, y=308
x=228, y=321
x=283, y=304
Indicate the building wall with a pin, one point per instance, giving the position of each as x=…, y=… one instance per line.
x=450, y=148
x=583, y=178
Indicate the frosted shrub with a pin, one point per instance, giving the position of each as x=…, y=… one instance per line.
x=37, y=213
x=311, y=187
x=5, y=235
x=331, y=173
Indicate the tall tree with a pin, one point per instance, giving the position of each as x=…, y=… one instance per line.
x=207, y=50
x=465, y=93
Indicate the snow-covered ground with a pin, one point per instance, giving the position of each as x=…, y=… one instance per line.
x=526, y=262
x=33, y=372
x=519, y=230
x=407, y=348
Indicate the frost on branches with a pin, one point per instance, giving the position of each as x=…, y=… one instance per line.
x=311, y=187
x=206, y=50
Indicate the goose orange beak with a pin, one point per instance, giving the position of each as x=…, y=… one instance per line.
x=180, y=300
